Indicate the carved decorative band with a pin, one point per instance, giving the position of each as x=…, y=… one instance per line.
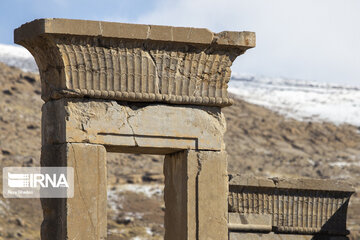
x=144, y=71
x=135, y=70
x=309, y=230
x=305, y=230
x=142, y=97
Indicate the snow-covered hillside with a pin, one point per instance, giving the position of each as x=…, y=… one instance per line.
x=18, y=57
x=307, y=101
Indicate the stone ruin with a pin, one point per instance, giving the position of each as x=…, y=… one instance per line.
x=129, y=88
x=287, y=208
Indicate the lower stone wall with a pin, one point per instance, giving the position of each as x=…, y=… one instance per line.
x=274, y=236
x=280, y=209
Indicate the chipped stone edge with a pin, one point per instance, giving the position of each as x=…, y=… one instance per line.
x=38, y=27
x=300, y=184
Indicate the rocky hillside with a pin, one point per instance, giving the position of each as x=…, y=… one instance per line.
x=259, y=142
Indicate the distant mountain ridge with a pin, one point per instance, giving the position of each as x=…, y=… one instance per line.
x=301, y=100
x=282, y=81
x=19, y=57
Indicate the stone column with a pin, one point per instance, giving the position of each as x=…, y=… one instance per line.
x=84, y=215
x=196, y=190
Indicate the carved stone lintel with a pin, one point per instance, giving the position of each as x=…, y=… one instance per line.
x=135, y=127
x=132, y=62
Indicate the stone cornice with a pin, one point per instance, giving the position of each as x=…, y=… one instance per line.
x=133, y=62
x=298, y=184
x=243, y=40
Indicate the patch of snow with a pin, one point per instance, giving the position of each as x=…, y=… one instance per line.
x=115, y=231
x=19, y=57
x=114, y=200
x=148, y=231
x=149, y=190
x=301, y=100
x=136, y=215
x=345, y=164
x=311, y=161
x=138, y=238
x=4, y=207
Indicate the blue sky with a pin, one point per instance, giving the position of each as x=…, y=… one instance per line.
x=13, y=13
x=316, y=40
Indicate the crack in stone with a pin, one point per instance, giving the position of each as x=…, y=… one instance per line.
x=83, y=128
x=217, y=115
x=275, y=180
x=132, y=129
x=101, y=29
x=157, y=70
x=199, y=167
x=148, y=32
x=199, y=163
x=80, y=192
x=189, y=32
x=172, y=33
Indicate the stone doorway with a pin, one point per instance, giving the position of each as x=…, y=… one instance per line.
x=127, y=88
x=79, y=133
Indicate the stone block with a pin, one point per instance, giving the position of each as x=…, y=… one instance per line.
x=144, y=128
x=250, y=222
x=291, y=183
x=212, y=195
x=84, y=216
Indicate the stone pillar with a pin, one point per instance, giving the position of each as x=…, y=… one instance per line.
x=83, y=216
x=195, y=195
x=212, y=195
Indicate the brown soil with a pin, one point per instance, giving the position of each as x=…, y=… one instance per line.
x=259, y=142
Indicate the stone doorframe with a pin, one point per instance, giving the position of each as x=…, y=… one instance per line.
x=113, y=87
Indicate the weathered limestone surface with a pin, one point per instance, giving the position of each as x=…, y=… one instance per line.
x=133, y=62
x=296, y=206
x=82, y=217
x=195, y=195
x=273, y=236
x=250, y=222
x=280, y=183
x=149, y=128
x=212, y=195
x=180, y=195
